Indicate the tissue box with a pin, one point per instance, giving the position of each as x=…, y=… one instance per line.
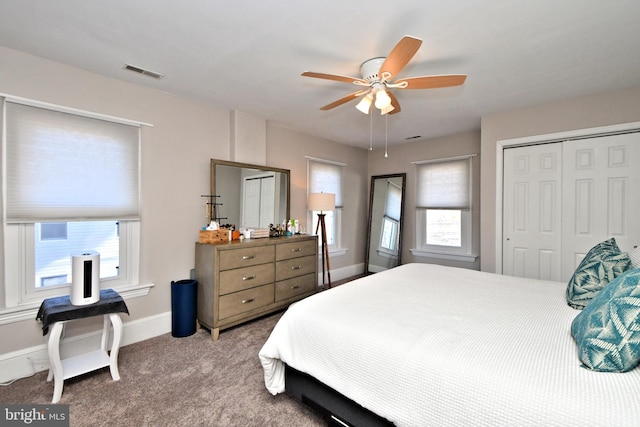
x=214, y=236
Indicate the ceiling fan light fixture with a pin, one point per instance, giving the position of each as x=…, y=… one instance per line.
x=387, y=109
x=377, y=76
x=383, y=100
x=365, y=103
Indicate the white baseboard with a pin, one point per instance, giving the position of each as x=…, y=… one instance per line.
x=28, y=361
x=342, y=273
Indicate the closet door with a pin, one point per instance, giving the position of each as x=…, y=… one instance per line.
x=531, y=211
x=258, y=202
x=251, y=203
x=267, y=201
x=601, y=197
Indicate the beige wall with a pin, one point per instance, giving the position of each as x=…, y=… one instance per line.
x=287, y=149
x=399, y=160
x=185, y=135
x=175, y=172
x=586, y=112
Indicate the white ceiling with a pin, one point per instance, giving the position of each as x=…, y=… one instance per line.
x=248, y=55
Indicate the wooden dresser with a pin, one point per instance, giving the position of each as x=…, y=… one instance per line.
x=241, y=280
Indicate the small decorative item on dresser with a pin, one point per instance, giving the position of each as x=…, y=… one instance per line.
x=258, y=233
x=214, y=236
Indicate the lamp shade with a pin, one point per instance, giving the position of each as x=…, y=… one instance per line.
x=383, y=100
x=321, y=201
x=365, y=103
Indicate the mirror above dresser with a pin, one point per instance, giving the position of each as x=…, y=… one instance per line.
x=250, y=196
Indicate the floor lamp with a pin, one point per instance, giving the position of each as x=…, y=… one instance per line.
x=321, y=202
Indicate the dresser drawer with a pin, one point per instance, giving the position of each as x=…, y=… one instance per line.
x=290, y=288
x=246, y=277
x=244, y=257
x=247, y=300
x=295, y=267
x=296, y=249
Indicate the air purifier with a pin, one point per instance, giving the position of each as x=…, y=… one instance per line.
x=85, y=278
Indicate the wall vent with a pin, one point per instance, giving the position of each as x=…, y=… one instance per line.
x=143, y=71
x=409, y=138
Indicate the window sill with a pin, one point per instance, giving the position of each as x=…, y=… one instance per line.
x=386, y=254
x=29, y=311
x=334, y=252
x=444, y=255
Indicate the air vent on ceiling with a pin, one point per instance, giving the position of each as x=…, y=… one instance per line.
x=143, y=71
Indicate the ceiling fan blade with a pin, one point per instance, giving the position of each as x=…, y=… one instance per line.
x=334, y=77
x=399, y=57
x=343, y=100
x=394, y=102
x=432, y=82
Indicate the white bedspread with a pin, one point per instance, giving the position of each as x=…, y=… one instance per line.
x=423, y=344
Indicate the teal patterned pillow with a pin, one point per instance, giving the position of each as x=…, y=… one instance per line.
x=607, y=331
x=603, y=263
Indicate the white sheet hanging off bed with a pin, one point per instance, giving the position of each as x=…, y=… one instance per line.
x=423, y=344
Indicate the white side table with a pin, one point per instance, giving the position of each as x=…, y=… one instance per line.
x=56, y=312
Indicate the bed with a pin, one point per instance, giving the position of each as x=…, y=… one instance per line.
x=423, y=344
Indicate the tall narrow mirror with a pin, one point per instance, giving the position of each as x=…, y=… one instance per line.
x=384, y=236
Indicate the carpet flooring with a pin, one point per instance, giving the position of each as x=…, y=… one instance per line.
x=167, y=381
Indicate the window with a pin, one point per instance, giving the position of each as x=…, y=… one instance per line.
x=391, y=219
x=52, y=258
x=443, y=209
x=389, y=239
x=326, y=177
x=53, y=231
x=72, y=184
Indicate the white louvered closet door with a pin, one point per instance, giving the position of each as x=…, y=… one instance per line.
x=532, y=214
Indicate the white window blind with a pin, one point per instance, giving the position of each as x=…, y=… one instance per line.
x=444, y=184
x=67, y=167
x=394, y=201
x=325, y=177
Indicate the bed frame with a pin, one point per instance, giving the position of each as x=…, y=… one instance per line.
x=337, y=409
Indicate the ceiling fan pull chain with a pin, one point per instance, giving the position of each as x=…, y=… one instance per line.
x=370, y=132
x=386, y=134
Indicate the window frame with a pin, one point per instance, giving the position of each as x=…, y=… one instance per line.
x=391, y=252
x=336, y=247
x=20, y=265
x=21, y=297
x=465, y=251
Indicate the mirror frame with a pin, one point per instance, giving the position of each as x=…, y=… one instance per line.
x=369, y=221
x=285, y=172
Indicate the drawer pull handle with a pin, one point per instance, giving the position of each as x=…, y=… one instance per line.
x=295, y=287
x=297, y=267
x=249, y=278
x=248, y=257
x=247, y=301
x=296, y=250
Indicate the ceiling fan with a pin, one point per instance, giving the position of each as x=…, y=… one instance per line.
x=377, y=79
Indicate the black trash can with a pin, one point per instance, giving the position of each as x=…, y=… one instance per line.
x=183, y=308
